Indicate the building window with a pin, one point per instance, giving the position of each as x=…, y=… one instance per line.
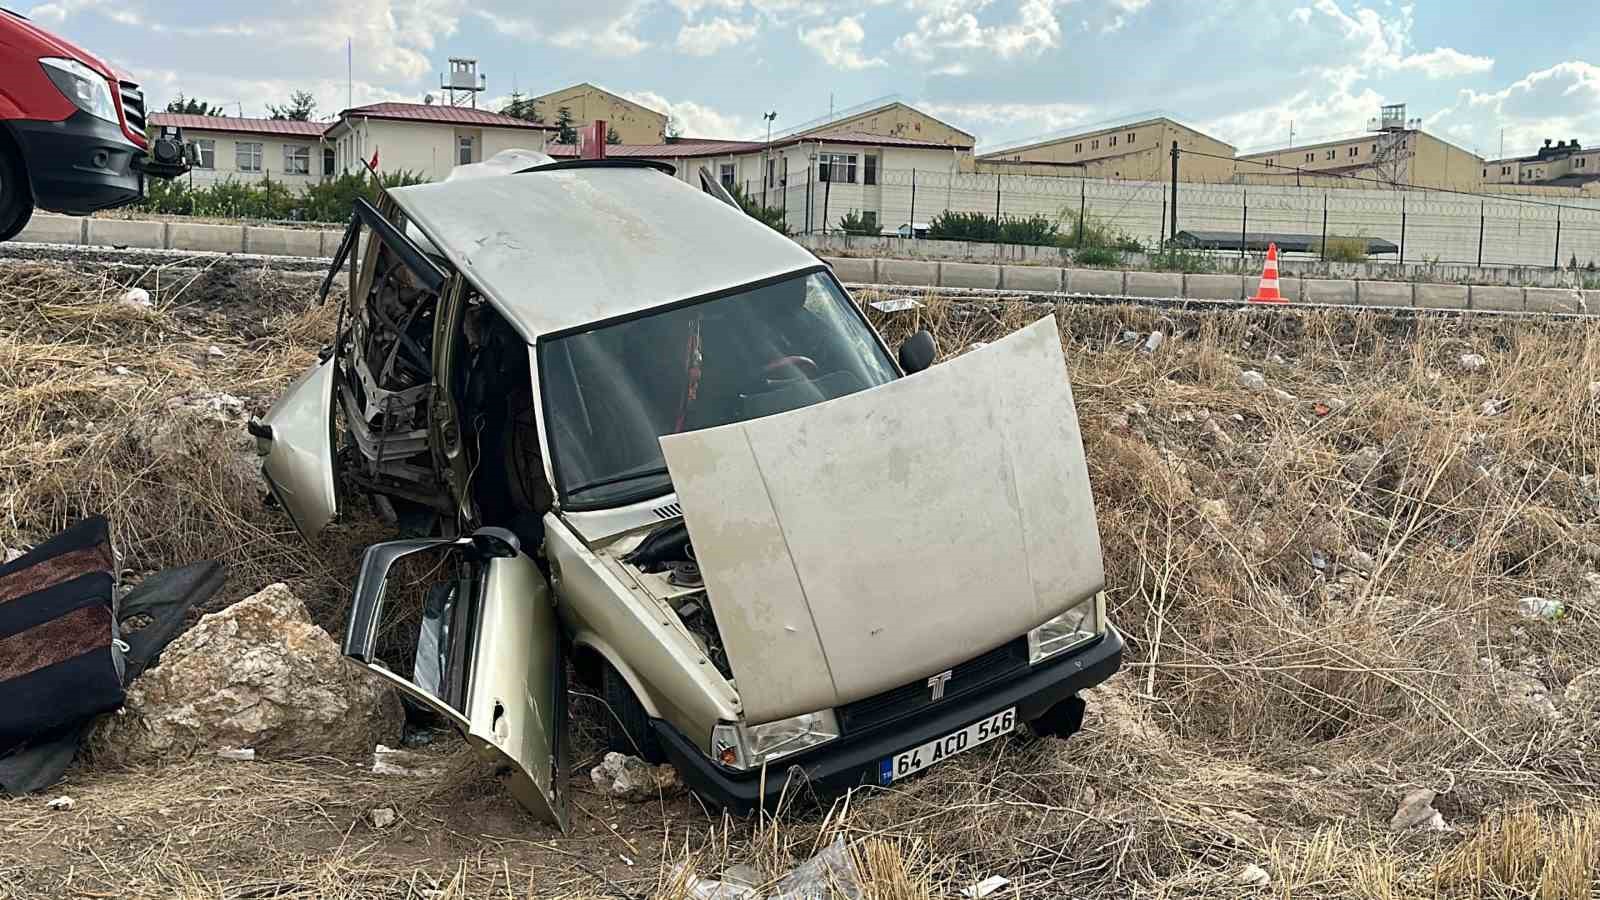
x=1113, y=140
x=1311, y=157
x=772, y=172
x=1355, y=151
x=205, y=151
x=464, y=150
x=1094, y=144
x=296, y=160
x=837, y=167
x=1130, y=137
x=327, y=161
x=726, y=175
x=248, y=155
x=1582, y=162
x=1374, y=149
x=1078, y=147
x=1505, y=170
x=869, y=170
x=1486, y=173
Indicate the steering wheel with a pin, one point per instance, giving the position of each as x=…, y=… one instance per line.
x=805, y=365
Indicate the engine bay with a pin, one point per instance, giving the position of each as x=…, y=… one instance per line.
x=663, y=564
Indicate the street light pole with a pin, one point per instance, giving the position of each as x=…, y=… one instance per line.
x=766, y=174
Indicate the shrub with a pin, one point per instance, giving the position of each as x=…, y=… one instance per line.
x=977, y=226
x=859, y=223
x=1180, y=259
x=772, y=216
x=1349, y=249
x=1087, y=231
x=1098, y=256
x=331, y=200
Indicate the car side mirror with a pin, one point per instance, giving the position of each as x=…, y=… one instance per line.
x=496, y=543
x=918, y=352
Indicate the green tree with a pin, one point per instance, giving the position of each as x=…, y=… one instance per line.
x=300, y=107
x=864, y=223
x=567, y=134
x=611, y=135
x=192, y=106
x=525, y=108
x=771, y=215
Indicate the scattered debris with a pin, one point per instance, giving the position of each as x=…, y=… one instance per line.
x=381, y=818
x=1128, y=337
x=1540, y=608
x=1277, y=359
x=1253, y=381
x=215, y=352
x=62, y=803
x=985, y=887
x=729, y=888
x=257, y=674
x=1416, y=811
x=1319, y=560
x=136, y=297
x=11, y=555
x=830, y=874
x=121, y=370
x=1495, y=406
x=1472, y=362
x=404, y=763
x=1153, y=342
x=895, y=304
x=1283, y=396
x=1253, y=875
x=246, y=754
x=626, y=777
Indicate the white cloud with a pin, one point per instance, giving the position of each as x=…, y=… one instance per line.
x=1560, y=102
x=1384, y=42
x=954, y=25
x=839, y=44
x=1301, y=15
x=604, y=28
x=695, y=119
x=250, y=96
x=1132, y=6
x=1022, y=118
x=709, y=37
x=1447, y=63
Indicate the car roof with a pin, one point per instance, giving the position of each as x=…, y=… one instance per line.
x=563, y=246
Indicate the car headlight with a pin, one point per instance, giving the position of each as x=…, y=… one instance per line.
x=742, y=746
x=86, y=88
x=1068, y=630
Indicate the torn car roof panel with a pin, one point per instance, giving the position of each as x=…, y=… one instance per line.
x=556, y=250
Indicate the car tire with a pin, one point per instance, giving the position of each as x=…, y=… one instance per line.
x=16, y=201
x=628, y=725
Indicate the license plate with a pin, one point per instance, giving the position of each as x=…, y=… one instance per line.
x=937, y=750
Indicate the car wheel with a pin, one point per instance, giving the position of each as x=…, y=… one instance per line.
x=628, y=725
x=16, y=203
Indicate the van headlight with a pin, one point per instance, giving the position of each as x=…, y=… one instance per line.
x=742, y=746
x=1073, y=627
x=87, y=89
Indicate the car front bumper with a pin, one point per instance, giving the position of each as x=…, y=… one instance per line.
x=856, y=759
x=80, y=164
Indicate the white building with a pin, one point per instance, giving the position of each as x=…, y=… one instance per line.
x=814, y=179
x=423, y=139
x=252, y=149
x=426, y=139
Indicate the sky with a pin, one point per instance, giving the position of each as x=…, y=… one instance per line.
x=1244, y=71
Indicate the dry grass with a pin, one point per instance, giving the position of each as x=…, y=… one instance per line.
x=1309, y=600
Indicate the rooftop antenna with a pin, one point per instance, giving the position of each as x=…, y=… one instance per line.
x=349, y=76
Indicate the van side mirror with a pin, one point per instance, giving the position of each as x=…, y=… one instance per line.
x=918, y=352
x=495, y=543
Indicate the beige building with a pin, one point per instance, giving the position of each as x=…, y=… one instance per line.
x=1137, y=150
x=1561, y=164
x=241, y=149
x=426, y=139
x=895, y=120
x=635, y=124
x=1394, y=151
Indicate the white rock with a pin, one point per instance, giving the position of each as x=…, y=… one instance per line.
x=62, y=803
x=1472, y=362
x=122, y=370
x=1283, y=397
x=1415, y=809
x=1251, y=380
x=257, y=674
x=381, y=818
x=985, y=887
x=215, y=352
x=136, y=297
x=246, y=754
x=1253, y=875
x=403, y=763
x=1494, y=406
x=1277, y=359
x=631, y=778
x=1153, y=342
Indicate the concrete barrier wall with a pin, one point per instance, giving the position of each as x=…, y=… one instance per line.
x=1162, y=285
x=47, y=228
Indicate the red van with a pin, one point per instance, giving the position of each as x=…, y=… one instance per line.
x=72, y=130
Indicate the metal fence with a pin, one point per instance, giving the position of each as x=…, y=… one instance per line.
x=1425, y=225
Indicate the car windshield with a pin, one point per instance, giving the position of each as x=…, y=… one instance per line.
x=610, y=392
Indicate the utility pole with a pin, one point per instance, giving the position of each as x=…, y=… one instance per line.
x=1174, y=190
x=1291, y=132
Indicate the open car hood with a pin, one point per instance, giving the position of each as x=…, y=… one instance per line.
x=870, y=541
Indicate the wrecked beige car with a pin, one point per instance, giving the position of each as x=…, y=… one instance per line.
x=632, y=429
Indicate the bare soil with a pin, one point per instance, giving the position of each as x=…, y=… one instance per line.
x=1320, y=593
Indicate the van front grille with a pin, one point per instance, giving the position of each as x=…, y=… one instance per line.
x=133, y=106
x=1002, y=663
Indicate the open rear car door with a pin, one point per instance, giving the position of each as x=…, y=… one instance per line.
x=488, y=658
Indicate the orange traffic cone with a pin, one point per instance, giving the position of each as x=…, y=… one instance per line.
x=1268, y=291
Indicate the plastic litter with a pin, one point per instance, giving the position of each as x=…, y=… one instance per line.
x=985, y=887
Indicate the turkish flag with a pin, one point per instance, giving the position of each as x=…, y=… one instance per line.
x=373, y=165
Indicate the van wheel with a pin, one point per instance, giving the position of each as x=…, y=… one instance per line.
x=628, y=725
x=16, y=201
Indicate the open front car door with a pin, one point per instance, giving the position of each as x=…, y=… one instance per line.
x=487, y=656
